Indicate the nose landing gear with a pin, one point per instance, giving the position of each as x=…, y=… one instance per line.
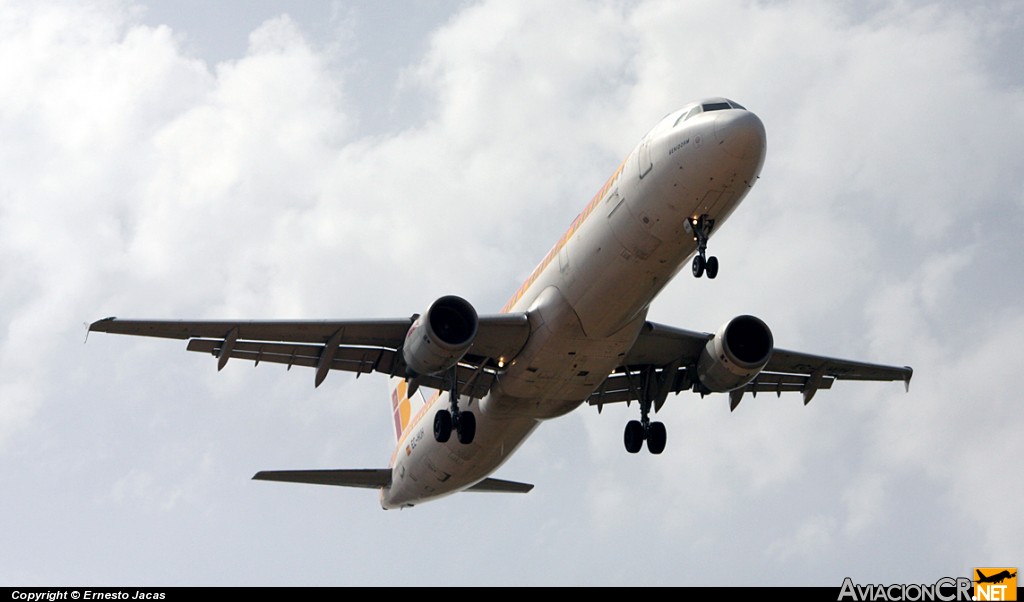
x=701, y=228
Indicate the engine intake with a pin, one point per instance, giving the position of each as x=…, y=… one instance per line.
x=735, y=355
x=439, y=338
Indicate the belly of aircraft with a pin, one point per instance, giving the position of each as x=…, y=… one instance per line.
x=425, y=469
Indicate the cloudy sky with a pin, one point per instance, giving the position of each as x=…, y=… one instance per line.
x=360, y=159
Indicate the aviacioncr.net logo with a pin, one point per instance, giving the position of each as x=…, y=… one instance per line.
x=946, y=589
x=995, y=583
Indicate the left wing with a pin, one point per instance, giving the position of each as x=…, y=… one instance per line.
x=359, y=346
x=663, y=360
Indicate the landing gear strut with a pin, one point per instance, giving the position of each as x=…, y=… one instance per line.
x=637, y=431
x=463, y=422
x=701, y=227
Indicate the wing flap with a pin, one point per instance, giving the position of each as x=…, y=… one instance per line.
x=770, y=382
x=473, y=381
x=350, y=359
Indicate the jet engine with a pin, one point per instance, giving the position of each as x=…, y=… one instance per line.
x=735, y=355
x=440, y=337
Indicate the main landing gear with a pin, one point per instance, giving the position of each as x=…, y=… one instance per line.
x=701, y=227
x=639, y=430
x=463, y=422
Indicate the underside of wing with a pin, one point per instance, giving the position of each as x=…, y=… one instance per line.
x=666, y=360
x=358, y=346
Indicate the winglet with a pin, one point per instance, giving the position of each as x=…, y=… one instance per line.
x=95, y=326
x=907, y=377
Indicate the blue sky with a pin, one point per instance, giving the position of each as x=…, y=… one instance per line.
x=314, y=160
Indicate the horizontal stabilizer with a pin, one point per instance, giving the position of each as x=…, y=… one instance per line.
x=368, y=478
x=372, y=478
x=500, y=486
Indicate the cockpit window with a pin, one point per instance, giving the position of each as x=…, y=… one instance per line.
x=716, y=106
x=737, y=105
x=695, y=110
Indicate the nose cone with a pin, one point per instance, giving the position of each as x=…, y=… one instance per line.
x=740, y=134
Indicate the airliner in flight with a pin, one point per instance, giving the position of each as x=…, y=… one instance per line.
x=576, y=331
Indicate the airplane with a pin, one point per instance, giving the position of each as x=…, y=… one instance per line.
x=576, y=331
x=996, y=578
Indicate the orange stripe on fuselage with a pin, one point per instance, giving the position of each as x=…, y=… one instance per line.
x=576, y=223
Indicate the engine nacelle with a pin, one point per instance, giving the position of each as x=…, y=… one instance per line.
x=734, y=356
x=440, y=337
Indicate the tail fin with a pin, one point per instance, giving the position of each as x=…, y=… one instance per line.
x=403, y=407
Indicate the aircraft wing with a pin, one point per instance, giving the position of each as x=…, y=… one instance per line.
x=663, y=360
x=359, y=346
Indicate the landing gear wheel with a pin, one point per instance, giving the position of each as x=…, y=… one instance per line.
x=466, y=428
x=442, y=426
x=698, y=266
x=634, y=436
x=712, y=267
x=656, y=438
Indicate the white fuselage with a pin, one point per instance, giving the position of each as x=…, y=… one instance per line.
x=588, y=298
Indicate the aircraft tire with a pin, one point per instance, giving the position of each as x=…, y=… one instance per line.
x=634, y=436
x=712, y=267
x=656, y=438
x=698, y=266
x=466, y=429
x=442, y=426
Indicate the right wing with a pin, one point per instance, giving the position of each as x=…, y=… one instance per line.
x=663, y=360
x=359, y=346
